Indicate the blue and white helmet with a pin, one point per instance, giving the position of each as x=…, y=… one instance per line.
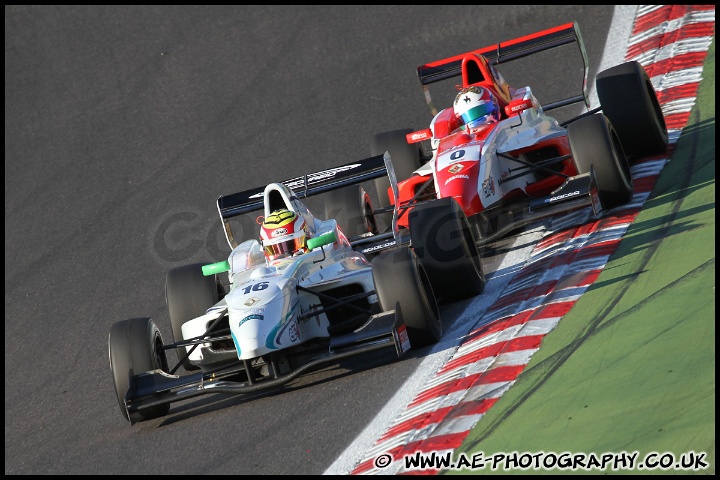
x=476, y=106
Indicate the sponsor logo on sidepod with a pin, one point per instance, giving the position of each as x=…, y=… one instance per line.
x=488, y=186
x=292, y=329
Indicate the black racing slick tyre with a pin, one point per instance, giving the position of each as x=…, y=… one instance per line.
x=441, y=236
x=135, y=346
x=188, y=294
x=405, y=159
x=594, y=143
x=400, y=278
x=628, y=99
x=352, y=210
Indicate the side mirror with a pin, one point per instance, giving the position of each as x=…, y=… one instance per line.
x=419, y=136
x=324, y=239
x=215, y=268
x=517, y=106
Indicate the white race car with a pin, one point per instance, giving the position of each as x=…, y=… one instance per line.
x=284, y=316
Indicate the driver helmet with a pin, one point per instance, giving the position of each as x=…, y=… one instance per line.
x=283, y=233
x=476, y=106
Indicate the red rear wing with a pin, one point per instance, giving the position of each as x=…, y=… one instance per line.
x=507, y=51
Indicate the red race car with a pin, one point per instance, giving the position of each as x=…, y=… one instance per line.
x=498, y=154
x=494, y=161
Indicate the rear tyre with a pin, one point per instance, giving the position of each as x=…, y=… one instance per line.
x=188, y=294
x=400, y=277
x=352, y=210
x=405, y=159
x=628, y=99
x=594, y=142
x=135, y=346
x=442, y=238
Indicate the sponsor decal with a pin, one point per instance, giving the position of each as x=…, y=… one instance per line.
x=403, y=338
x=251, y=301
x=292, y=330
x=455, y=177
x=419, y=135
x=318, y=176
x=455, y=168
x=314, y=177
x=488, y=186
x=279, y=232
x=254, y=316
x=378, y=247
x=518, y=106
x=289, y=324
x=564, y=195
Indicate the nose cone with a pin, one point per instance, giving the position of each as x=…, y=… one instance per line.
x=253, y=310
x=460, y=181
x=253, y=294
x=250, y=336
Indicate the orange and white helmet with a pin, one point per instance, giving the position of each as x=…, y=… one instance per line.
x=476, y=106
x=283, y=233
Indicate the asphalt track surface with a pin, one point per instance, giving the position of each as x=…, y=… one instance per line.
x=123, y=125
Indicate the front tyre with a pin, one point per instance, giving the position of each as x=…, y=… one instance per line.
x=188, y=294
x=400, y=277
x=628, y=99
x=594, y=143
x=441, y=236
x=135, y=346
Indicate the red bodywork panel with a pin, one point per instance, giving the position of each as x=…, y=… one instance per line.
x=460, y=180
x=484, y=183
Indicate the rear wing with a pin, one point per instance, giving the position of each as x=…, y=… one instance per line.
x=311, y=184
x=503, y=52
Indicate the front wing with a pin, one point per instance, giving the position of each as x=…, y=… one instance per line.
x=154, y=388
x=577, y=192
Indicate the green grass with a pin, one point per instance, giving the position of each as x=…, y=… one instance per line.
x=631, y=368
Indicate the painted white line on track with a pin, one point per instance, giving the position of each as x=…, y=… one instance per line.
x=495, y=284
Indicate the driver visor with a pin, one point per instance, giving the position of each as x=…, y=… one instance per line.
x=478, y=112
x=285, y=248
